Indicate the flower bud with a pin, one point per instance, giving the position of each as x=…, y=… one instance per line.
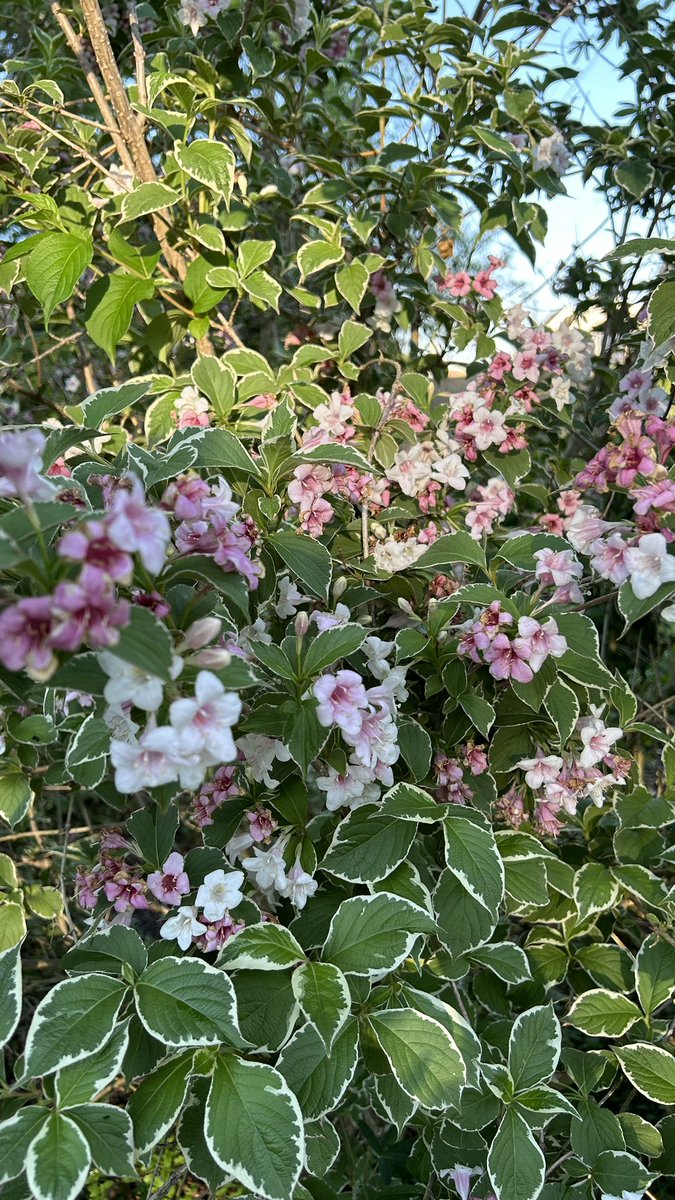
x=301, y=624
x=406, y=607
x=213, y=658
x=200, y=633
x=340, y=587
x=378, y=530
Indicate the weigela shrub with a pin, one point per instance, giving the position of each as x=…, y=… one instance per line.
x=375, y=890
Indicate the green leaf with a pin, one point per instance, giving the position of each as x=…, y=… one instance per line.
x=146, y=643
x=12, y=926
x=254, y=1127
x=322, y=993
x=594, y=889
x=220, y=448
x=10, y=990
x=72, y=1021
x=654, y=972
x=158, y=1099
x=397, y=1104
x=186, y=1002
x=320, y=1080
x=631, y=608
x=262, y=287
x=191, y=1139
x=57, y=1163
x=480, y=711
x=308, y=560
x=108, y=402
x=110, y=306
x=370, y=935
x=352, y=336
x=267, y=1007
x=463, y=922
x=147, y=198
x=252, y=254
x=82, y=1081
x=635, y=176
x=515, y=1163
x=642, y=246
x=15, y=796
x=596, y=1129
x=601, y=1013
x=608, y=966
x=351, y=282
x=650, y=1069
x=641, y=1136
x=16, y=1135
x=534, y=1047
x=316, y=256
x=109, y=1134
x=411, y=803
x=54, y=267
x=449, y=550
x=216, y=380
x=661, y=312
x=472, y=855
x=615, y=1172
x=367, y=845
x=424, y=1058
x=303, y=734
x=416, y=748
x=331, y=645
x=264, y=947
x=210, y=163
x=322, y=1146
x=507, y=961
x=154, y=832
x=562, y=706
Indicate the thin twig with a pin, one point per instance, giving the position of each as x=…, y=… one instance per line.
x=139, y=58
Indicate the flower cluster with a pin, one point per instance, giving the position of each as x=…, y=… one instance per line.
x=485, y=639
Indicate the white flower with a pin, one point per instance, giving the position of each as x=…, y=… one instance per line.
x=191, y=13
x=220, y=892
x=220, y=501
x=323, y=621
x=267, y=867
x=120, y=724
x=260, y=752
x=351, y=790
x=255, y=634
x=299, y=886
x=238, y=843
x=650, y=565
x=289, y=598
x=624, y=1196
x=411, y=470
x=204, y=724
x=597, y=739
x=391, y=555
x=668, y=614
x=451, y=471
x=182, y=927
x=559, y=391
x=377, y=652
x=128, y=684
x=153, y=760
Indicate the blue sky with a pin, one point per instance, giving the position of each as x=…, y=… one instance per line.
x=582, y=215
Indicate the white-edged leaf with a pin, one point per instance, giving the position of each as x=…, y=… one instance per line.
x=534, y=1047
x=367, y=845
x=10, y=991
x=371, y=935
x=264, y=947
x=515, y=1163
x=651, y=1070
x=506, y=960
x=82, y=1081
x=308, y=560
x=109, y=1135
x=424, y=1058
x=323, y=995
x=254, y=1127
x=399, y=1107
x=602, y=1013
x=187, y=1002
x=158, y=1099
x=57, y=1163
x=16, y=1135
x=654, y=972
x=472, y=856
x=72, y=1021
x=322, y=1146
x=320, y=1080
x=595, y=890
x=332, y=644
x=210, y=163
x=147, y=198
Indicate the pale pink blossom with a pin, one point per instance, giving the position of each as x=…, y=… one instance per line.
x=134, y=527
x=536, y=642
x=298, y=886
x=20, y=466
x=597, y=739
x=152, y=760
x=486, y=428
x=508, y=660
x=555, y=568
x=87, y=611
x=609, y=558
x=25, y=632
x=649, y=565
x=342, y=699
x=204, y=724
x=541, y=769
x=182, y=927
x=171, y=883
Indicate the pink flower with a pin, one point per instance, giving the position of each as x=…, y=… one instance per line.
x=308, y=483
x=536, y=642
x=152, y=600
x=126, y=889
x=171, y=883
x=609, y=558
x=486, y=428
x=512, y=807
x=525, y=366
x=458, y=284
x=485, y=285
x=659, y=495
x=261, y=824
x=185, y=496
x=87, y=611
x=597, y=739
x=203, y=724
x=475, y=759
x=341, y=698
x=546, y=819
x=217, y=933
x=91, y=544
x=508, y=660
x=134, y=527
x=649, y=565
x=20, y=464
x=543, y=768
x=25, y=637
x=555, y=568
x=500, y=364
